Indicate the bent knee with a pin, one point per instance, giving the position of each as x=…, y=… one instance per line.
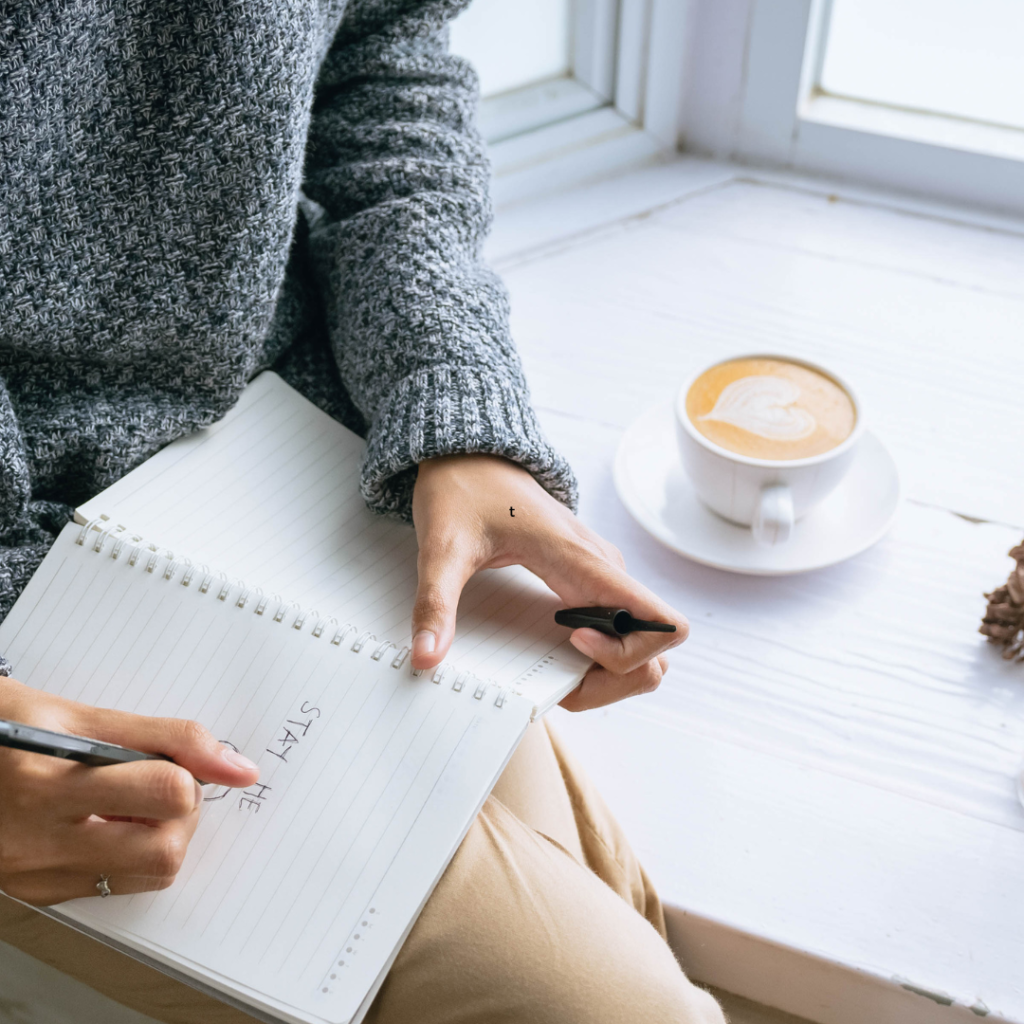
x=641, y=982
x=580, y=1001
x=518, y=930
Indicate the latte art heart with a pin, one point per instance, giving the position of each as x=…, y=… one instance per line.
x=765, y=406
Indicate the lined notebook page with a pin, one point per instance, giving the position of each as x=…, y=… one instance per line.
x=270, y=495
x=299, y=890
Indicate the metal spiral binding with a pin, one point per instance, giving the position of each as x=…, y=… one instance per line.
x=148, y=555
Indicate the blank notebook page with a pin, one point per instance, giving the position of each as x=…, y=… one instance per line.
x=300, y=889
x=270, y=495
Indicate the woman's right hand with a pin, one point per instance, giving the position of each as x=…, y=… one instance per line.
x=64, y=824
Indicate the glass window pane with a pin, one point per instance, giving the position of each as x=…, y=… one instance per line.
x=513, y=43
x=959, y=57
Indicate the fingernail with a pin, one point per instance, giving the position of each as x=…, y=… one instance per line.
x=423, y=642
x=199, y=795
x=233, y=757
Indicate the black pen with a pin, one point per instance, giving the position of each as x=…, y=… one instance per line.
x=613, y=621
x=95, y=753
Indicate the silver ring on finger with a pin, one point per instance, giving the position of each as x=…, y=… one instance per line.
x=103, y=886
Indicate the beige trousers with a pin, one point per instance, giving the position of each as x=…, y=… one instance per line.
x=544, y=916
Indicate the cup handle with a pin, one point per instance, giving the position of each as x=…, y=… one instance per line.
x=773, y=520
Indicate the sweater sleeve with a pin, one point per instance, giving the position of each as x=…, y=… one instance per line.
x=396, y=189
x=27, y=527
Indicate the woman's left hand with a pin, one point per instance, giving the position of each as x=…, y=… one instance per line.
x=461, y=507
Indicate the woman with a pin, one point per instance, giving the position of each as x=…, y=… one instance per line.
x=194, y=192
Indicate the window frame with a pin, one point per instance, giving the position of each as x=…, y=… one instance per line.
x=760, y=102
x=619, y=107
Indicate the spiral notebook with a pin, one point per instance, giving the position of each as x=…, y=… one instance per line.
x=237, y=578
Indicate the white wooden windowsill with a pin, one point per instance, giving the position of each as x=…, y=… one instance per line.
x=823, y=788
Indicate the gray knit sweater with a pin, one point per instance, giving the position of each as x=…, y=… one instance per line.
x=192, y=191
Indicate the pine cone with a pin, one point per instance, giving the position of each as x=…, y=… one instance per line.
x=1004, y=619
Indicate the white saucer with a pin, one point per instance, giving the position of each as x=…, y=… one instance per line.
x=652, y=485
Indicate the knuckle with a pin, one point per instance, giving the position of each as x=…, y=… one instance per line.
x=178, y=846
x=193, y=733
x=168, y=856
x=26, y=782
x=617, y=556
x=651, y=679
x=584, y=542
x=174, y=790
x=430, y=603
x=584, y=546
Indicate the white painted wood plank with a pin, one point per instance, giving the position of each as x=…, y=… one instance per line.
x=522, y=230
x=939, y=364
x=898, y=201
x=859, y=232
x=551, y=220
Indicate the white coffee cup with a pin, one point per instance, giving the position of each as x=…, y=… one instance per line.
x=768, y=495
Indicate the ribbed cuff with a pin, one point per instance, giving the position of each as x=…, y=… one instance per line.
x=448, y=410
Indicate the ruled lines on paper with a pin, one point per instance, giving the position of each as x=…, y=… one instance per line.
x=369, y=775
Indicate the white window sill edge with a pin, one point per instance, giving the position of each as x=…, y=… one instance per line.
x=958, y=162
x=583, y=148
x=542, y=104
x=799, y=982
x=591, y=195
x=915, y=126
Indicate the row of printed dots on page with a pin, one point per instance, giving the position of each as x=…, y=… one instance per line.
x=352, y=945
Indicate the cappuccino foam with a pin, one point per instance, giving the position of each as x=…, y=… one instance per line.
x=770, y=409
